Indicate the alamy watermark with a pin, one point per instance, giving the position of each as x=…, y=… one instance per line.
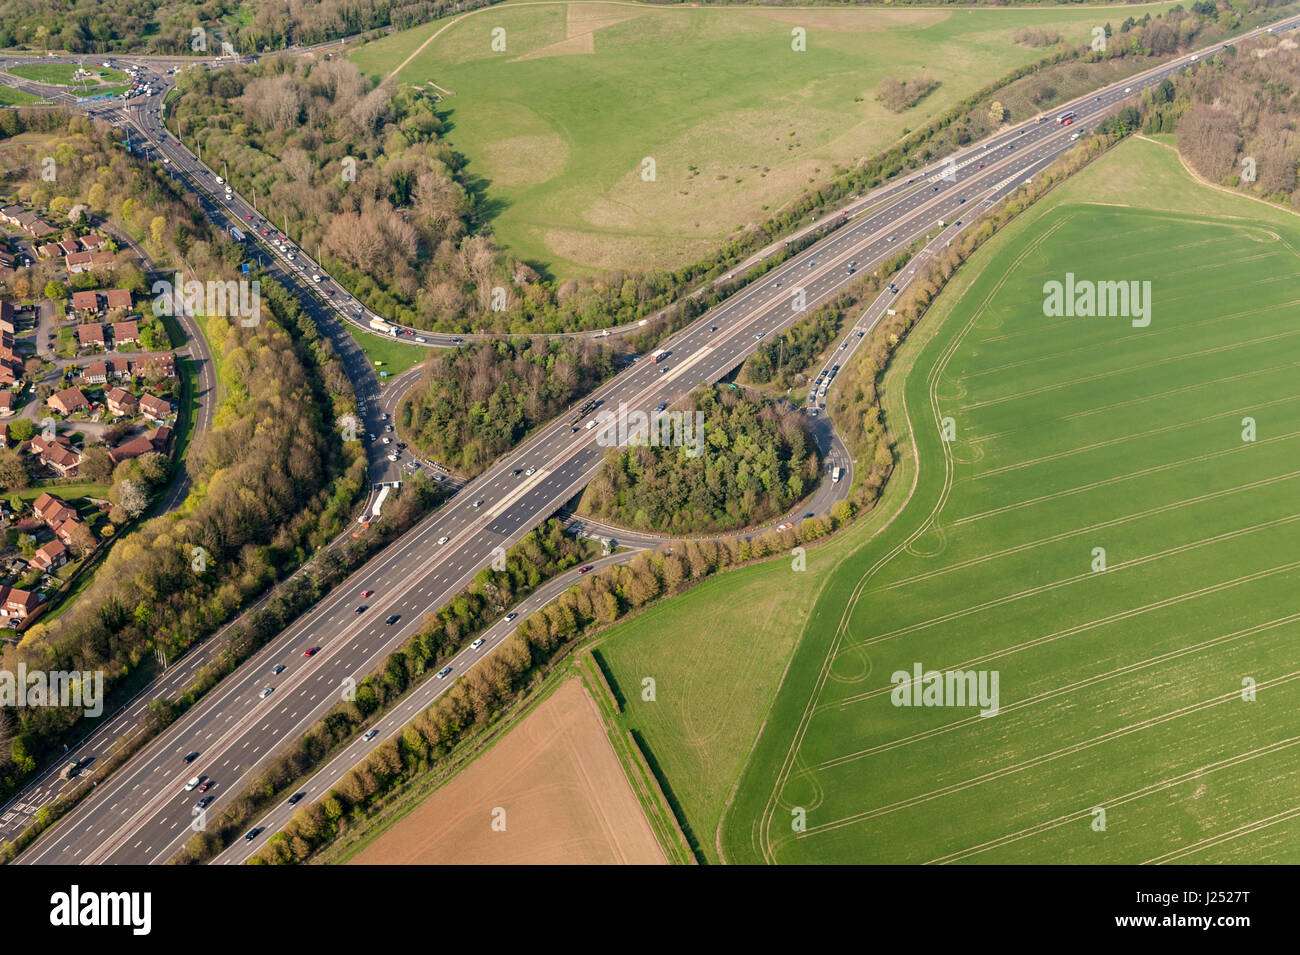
x=660, y=429
x=923, y=687
x=80, y=689
x=228, y=299
x=1084, y=298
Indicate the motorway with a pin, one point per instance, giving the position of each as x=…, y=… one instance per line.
x=142, y=814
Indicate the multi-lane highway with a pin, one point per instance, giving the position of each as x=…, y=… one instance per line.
x=142, y=814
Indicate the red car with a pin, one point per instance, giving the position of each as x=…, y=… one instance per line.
x=366, y=593
x=583, y=570
x=263, y=232
x=207, y=784
x=311, y=651
x=981, y=165
x=248, y=216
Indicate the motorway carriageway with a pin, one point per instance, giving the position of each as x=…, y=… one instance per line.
x=142, y=814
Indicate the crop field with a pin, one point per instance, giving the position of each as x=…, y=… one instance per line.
x=1112, y=532
x=557, y=126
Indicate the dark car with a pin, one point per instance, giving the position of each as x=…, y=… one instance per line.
x=393, y=619
x=584, y=570
x=253, y=834
x=361, y=609
x=293, y=800
x=205, y=802
x=191, y=757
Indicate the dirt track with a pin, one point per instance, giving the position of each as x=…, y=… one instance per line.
x=565, y=798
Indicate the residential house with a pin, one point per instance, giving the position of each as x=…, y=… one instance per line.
x=155, y=408
x=68, y=400
x=121, y=402
x=155, y=440
x=17, y=605
x=159, y=366
x=85, y=302
x=57, y=454
x=48, y=250
x=93, y=242
x=118, y=298
x=96, y=373
x=125, y=333
x=91, y=335
x=52, y=510
x=51, y=555
x=6, y=403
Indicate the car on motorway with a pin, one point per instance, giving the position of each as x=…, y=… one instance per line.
x=205, y=802
x=267, y=691
x=457, y=341
x=585, y=569
x=442, y=674
x=530, y=471
x=662, y=406
x=517, y=471
x=362, y=608
x=511, y=616
x=476, y=644
x=393, y=618
x=206, y=785
x=760, y=335
x=310, y=651
x=194, y=783
x=370, y=734
x=192, y=757
x=253, y=833
x=713, y=328
x=367, y=593
x=961, y=200
x=1074, y=136
x=981, y=165
x=892, y=238
x=860, y=334
x=421, y=339
x=1128, y=89
x=479, y=502
x=293, y=800
x=443, y=539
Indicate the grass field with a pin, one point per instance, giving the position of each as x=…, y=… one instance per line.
x=64, y=74
x=387, y=354
x=1120, y=689
x=736, y=121
x=12, y=97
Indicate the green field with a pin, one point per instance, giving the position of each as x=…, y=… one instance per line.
x=12, y=97
x=1119, y=688
x=64, y=74
x=556, y=127
x=387, y=354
